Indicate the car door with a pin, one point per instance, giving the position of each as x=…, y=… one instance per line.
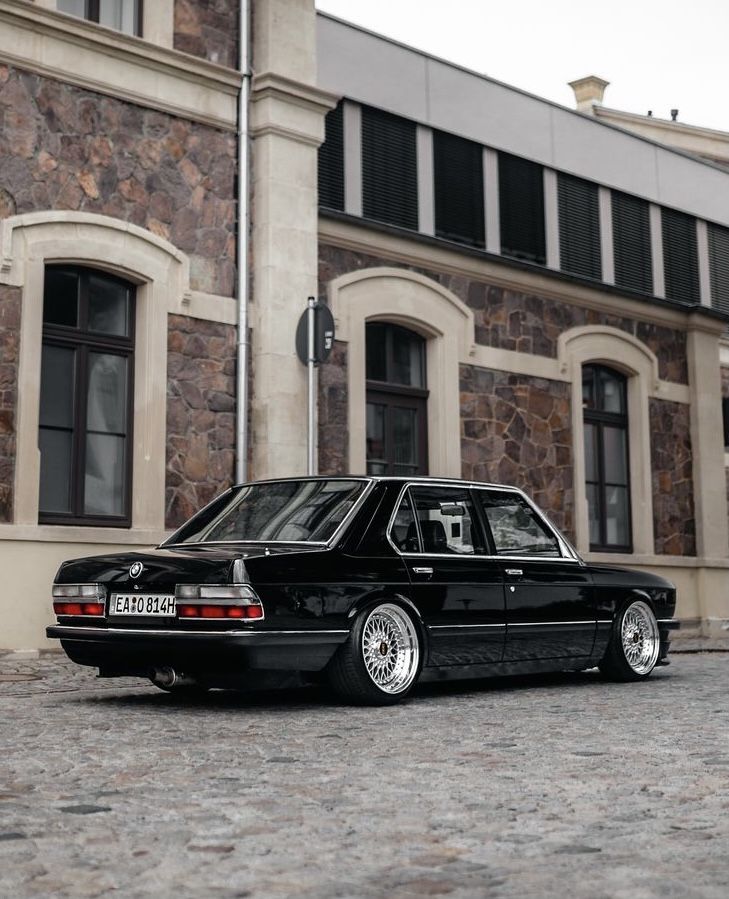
x=455, y=584
x=550, y=608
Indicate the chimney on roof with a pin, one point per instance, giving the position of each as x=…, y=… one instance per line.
x=588, y=92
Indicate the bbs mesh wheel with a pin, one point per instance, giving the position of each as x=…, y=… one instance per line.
x=381, y=659
x=634, y=644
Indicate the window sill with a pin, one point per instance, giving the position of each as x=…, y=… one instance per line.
x=48, y=533
x=653, y=561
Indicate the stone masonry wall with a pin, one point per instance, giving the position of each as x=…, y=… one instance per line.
x=200, y=414
x=522, y=322
x=9, y=339
x=516, y=430
x=62, y=147
x=208, y=28
x=671, y=464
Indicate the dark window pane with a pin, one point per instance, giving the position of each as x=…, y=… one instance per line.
x=405, y=437
x=579, y=227
x=107, y=393
x=680, y=256
x=612, y=392
x=616, y=516
x=376, y=349
x=331, y=161
x=407, y=358
x=57, y=387
x=55, y=473
x=120, y=14
x=104, y=482
x=591, y=467
x=616, y=456
x=375, y=431
x=108, y=306
x=458, y=186
x=632, y=243
x=60, y=298
x=521, y=208
x=73, y=7
x=588, y=388
x=389, y=168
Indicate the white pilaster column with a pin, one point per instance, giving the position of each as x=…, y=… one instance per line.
x=707, y=438
x=551, y=218
x=426, y=194
x=656, y=235
x=491, y=196
x=702, y=245
x=287, y=127
x=352, y=158
x=607, y=247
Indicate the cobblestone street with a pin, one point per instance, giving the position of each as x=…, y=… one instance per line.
x=562, y=786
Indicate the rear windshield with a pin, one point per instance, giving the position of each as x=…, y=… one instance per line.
x=275, y=511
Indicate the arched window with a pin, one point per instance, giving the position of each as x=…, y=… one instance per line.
x=86, y=397
x=607, y=475
x=396, y=401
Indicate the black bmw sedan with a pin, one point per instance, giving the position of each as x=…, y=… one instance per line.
x=374, y=583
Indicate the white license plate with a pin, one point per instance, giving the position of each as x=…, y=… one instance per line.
x=142, y=604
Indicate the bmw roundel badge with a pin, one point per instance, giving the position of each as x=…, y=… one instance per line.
x=136, y=569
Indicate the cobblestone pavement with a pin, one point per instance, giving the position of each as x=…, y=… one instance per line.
x=562, y=786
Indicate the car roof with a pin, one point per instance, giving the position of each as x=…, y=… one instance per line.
x=398, y=479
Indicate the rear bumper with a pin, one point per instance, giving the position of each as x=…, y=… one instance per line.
x=135, y=651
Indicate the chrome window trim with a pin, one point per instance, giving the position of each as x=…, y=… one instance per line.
x=437, y=627
x=568, y=553
x=590, y=621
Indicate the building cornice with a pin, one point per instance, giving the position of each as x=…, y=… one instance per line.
x=90, y=56
x=289, y=108
x=428, y=252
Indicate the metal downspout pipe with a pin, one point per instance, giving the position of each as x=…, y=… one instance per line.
x=242, y=351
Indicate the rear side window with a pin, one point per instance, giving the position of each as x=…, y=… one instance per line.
x=443, y=522
x=515, y=527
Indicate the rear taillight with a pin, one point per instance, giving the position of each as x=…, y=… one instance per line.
x=79, y=599
x=216, y=601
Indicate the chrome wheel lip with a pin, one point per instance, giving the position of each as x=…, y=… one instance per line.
x=640, y=638
x=390, y=648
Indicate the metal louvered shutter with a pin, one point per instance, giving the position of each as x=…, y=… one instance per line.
x=632, y=242
x=719, y=266
x=680, y=256
x=389, y=168
x=579, y=227
x=458, y=188
x=331, y=161
x=521, y=208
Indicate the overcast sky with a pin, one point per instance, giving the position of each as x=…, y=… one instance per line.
x=656, y=54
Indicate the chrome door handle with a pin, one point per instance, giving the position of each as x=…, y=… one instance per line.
x=514, y=572
x=422, y=571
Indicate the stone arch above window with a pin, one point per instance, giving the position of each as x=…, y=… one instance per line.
x=624, y=353
x=161, y=272
x=414, y=301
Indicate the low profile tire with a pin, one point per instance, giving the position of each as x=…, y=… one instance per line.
x=634, y=645
x=381, y=660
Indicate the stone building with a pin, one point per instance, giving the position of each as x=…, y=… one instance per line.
x=522, y=293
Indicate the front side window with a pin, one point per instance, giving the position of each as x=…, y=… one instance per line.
x=396, y=401
x=515, y=528
x=121, y=15
x=604, y=401
x=87, y=364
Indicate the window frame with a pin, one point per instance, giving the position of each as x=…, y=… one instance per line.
x=602, y=419
x=393, y=395
x=84, y=342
